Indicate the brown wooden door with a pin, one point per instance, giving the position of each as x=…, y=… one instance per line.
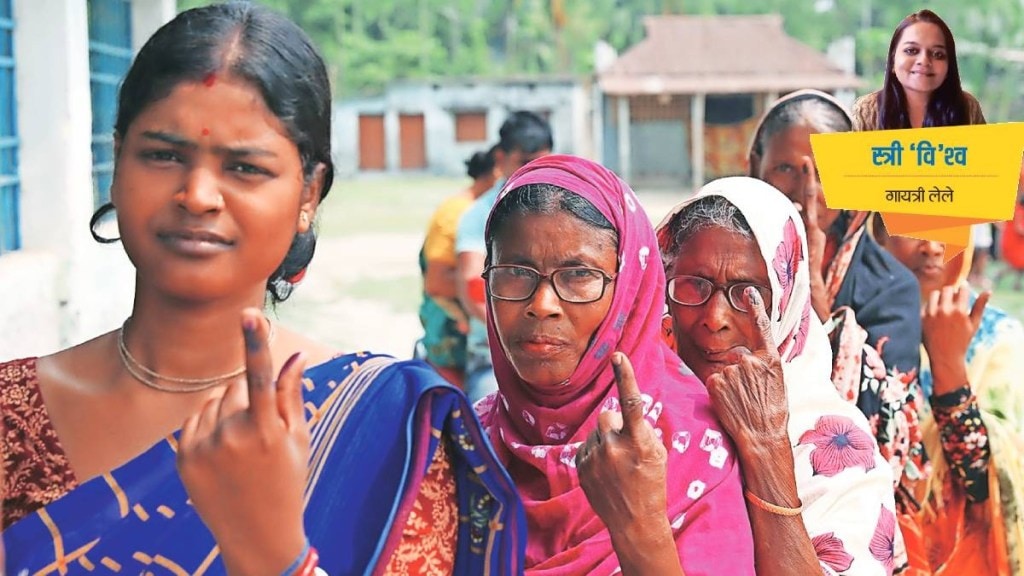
x=470, y=126
x=372, y=152
x=412, y=135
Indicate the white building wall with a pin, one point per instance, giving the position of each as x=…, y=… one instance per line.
x=345, y=133
x=567, y=101
x=62, y=288
x=147, y=17
x=29, y=309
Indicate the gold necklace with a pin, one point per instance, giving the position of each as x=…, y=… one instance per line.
x=152, y=379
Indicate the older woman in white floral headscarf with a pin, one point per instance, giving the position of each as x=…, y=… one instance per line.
x=819, y=492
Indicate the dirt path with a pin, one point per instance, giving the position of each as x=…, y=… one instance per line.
x=324, y=307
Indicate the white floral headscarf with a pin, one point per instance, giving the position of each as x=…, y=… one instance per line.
x=843, y=481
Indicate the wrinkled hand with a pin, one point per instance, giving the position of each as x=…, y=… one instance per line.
x=947, y=327
x=243, y=460
x=622, y=464
x=810, y=194
x=749, y=395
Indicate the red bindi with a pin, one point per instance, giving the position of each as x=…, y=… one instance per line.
x=210, y=79
x=206, y=131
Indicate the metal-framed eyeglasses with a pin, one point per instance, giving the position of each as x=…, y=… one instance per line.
x=576, y=284
x=695, y=291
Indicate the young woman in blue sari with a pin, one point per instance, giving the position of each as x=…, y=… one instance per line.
x=222, y=150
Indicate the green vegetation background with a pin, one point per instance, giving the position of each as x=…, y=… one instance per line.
x=368, y=43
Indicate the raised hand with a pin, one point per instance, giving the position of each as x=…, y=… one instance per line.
x=622, y=470
x=810, y=195
x=621, y=466
x=749, y=395
x=244, y=457
x=948, y=324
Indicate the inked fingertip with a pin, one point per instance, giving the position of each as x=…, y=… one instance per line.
x=291, y=361
x=753, y=295
x=249, y=324
x=252, y=339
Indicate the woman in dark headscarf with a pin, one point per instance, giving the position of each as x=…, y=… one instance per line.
x=866, y=298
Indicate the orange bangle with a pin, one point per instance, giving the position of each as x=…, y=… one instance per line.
x=772, y=508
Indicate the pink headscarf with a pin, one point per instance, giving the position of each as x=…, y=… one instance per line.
x=536, y=433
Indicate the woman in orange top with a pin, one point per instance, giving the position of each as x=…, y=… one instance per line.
x=1012, y=242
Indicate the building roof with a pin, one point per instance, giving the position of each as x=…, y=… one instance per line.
x=720, y=54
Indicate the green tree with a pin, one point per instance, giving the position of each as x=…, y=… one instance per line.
x=369, y=43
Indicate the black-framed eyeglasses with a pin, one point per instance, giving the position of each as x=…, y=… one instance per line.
x=695, y=291
x=577, y=284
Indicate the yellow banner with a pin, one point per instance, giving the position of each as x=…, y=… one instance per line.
x=927, y=183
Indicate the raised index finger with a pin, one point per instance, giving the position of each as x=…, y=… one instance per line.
x=629, y=394
x=258, y=365
x=809, y=191
x=763, y=340
x=978, y=310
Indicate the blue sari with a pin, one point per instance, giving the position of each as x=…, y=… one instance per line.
x=377, y=424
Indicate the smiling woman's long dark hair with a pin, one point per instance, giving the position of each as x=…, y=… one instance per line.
x=947, y=106
x=252, y=43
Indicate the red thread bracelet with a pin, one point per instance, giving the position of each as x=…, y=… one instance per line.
x=309, y=565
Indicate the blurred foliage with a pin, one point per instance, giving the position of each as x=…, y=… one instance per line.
x=368, y=43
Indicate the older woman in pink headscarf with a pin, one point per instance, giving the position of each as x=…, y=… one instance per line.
x=619, y=460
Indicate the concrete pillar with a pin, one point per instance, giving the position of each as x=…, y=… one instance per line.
x=625, y=150
x=597, y=123
x=51, y=44
x=392, y=139
x=697, y=140
x=580, y=108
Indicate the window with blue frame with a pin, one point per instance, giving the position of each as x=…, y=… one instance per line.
x=110, y=55
x=10, y=234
